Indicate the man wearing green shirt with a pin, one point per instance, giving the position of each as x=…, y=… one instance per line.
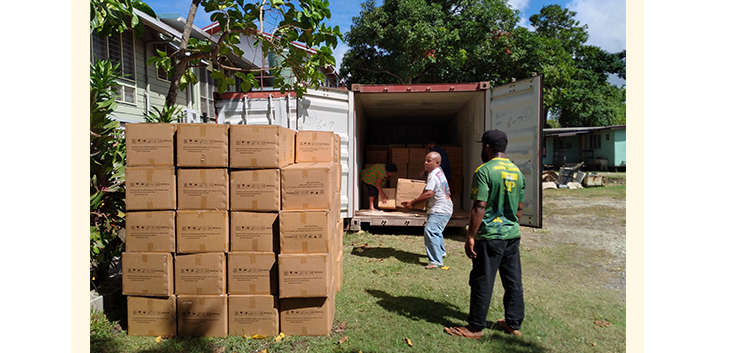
x=493, y=238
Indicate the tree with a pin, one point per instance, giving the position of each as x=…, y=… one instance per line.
x=115, y=16
x=411, y=41
x=553, y=22
x=299, y=36
x=107, y=172
x=576, y=88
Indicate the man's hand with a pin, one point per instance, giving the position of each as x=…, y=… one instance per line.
x=469, y=248
x=407, y=204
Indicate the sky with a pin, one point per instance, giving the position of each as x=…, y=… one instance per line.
x=605, y=19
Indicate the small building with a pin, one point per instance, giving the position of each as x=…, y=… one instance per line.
x=600, y=148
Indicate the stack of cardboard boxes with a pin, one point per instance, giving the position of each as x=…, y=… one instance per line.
x=206, y=224
x=309, y=263
x=456, y=165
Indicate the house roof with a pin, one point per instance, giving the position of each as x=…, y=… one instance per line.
x=159, y=25
x=571, y=131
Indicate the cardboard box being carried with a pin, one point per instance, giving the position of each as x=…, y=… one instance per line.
x=261, y=146
x=255, y=190
x=148, y=274
x=150, y=231
x=253, y=231
x=316, y=147
x=202, y=315
x=251, y=315
x=304, y=275
x=252, y=273
x=202, y=231
x=152, y=317
x=390, y=203
x=309, y=185
x=201, y=274
x=203, y=189
x=409, y=189
x=149, y=144
x=202, y=145
x=150, y=188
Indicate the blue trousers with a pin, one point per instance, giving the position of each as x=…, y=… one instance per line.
x=433, y=237
x=495, y=256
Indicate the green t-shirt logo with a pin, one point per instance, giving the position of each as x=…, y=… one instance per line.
x=510, y=182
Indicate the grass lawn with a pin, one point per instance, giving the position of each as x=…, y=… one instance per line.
x=388, y=298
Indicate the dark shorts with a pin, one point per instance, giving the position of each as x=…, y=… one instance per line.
x=372, y=190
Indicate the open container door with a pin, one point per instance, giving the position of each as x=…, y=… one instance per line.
x=328, y=109
x=517, y=109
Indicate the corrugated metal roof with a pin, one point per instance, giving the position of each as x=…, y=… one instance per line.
x=571, y=131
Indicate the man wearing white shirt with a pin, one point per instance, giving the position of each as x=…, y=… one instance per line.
x=439, y=208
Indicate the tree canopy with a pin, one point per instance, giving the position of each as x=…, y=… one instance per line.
x=444, y=41
x=412, y=41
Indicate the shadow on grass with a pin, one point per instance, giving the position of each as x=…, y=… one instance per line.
x=416, y=308
x=448, y=315
x=377, y=252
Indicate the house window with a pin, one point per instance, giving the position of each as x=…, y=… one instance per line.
x=119, y=48
x=126, y=93
x=207, y=87
x=161, y=73
x=607, y=137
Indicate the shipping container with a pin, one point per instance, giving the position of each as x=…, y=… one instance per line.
x=455, y=114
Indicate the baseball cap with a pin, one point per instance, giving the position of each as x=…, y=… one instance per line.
x=491, y=137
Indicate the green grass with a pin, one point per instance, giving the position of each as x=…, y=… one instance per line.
x=387, y=296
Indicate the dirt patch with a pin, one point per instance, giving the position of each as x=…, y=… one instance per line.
x=593, y=223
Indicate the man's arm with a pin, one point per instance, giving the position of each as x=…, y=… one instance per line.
x=379, y=186
x=427, y=194
x=476, y=214
x=519, y=213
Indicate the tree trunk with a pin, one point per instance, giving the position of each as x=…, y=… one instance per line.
x=180, y=63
